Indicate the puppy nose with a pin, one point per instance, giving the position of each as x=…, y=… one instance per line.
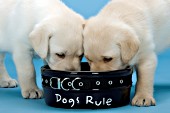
x=70, y=69
x=94, y=69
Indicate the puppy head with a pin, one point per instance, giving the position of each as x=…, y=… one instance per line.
x=109, y=46
x=59, y=42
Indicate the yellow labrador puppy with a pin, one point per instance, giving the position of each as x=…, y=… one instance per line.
x=129, y=32
x=47, y=27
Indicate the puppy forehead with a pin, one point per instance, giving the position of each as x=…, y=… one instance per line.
x=67, y=39
x=97, y=52
x=102, y=40
x=98, y=41
x=68, y=47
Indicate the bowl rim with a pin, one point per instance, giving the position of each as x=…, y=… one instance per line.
x=46, y=71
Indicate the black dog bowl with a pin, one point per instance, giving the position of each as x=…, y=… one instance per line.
x=85, y=89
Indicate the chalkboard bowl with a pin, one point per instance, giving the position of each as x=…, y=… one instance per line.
x=85, y=89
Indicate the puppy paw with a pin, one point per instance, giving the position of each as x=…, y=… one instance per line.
x=32, y=94
x=9, y=83
x=143, y=100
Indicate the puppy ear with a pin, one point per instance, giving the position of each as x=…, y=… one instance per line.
x=129, y=46
x=83, y=25
x=39, y=38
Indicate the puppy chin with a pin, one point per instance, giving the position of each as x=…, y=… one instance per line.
x=55, y=67
x=121, y=67
x=52, y=67
x=64, y=68
x=100, y=69
x=107, y=68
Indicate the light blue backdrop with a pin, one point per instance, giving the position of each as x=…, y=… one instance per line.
x=12, y=102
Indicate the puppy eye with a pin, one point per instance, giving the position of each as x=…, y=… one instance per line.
x=61, y=55
x=106, y=60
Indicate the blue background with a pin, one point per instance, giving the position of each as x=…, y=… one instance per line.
x=12, y=102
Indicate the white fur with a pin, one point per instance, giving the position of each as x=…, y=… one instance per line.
x=134, y=30
x=46, y=27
